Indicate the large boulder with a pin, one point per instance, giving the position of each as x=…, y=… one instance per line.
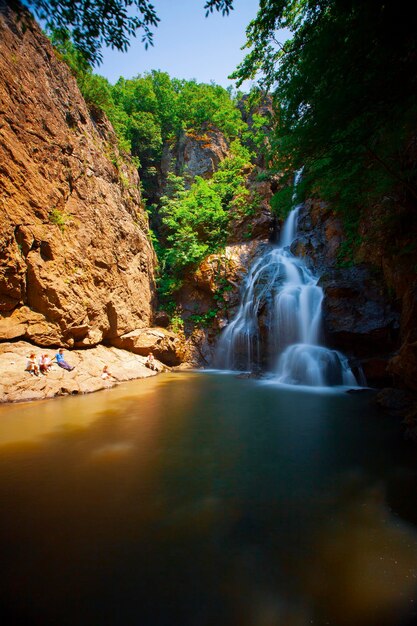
x=358, y=315
x=165, y=345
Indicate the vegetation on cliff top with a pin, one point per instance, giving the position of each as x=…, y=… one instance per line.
x=195, y=222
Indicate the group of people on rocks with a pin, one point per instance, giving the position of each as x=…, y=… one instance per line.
x=43, y=364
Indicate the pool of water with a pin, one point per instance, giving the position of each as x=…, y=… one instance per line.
x=204, y=499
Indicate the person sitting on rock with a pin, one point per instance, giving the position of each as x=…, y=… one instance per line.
x=31, y=365
x=150, y=362
x=105, y=373
x=59, y=358
x=45, y=363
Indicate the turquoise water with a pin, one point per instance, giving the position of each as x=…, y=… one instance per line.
x=204, y=499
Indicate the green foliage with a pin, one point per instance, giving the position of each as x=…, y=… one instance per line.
x=203, y=320
x=75, y=59
x=203, y=105
x=345, y=88
x=59, y=218
x=230, y=177
x=152, y=110
x=281, y=202
x=345, y=257
x=195, y=222
x=176, y=323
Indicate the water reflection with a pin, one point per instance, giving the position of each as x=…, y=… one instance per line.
x=202, y=499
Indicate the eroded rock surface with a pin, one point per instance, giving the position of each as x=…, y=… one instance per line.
x=76, y=265
x=361, y=318
x=357, y=313
x=320, y=234
x=195, y=155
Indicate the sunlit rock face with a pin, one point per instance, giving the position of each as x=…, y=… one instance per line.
x=212, y=293
x=18, y=385
x=164, y=344
x=195, y=154
x=76, y=265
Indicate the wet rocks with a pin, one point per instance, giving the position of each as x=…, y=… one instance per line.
x=403, y=366
x=319, y=235
x=210, y=296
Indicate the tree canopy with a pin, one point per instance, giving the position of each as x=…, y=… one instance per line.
x=345, y=85
x=94, y=23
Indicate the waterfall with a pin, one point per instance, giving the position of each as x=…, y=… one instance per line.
x=278, y=324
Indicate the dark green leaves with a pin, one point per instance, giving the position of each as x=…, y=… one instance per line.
x=93, y=24
x=345, y=86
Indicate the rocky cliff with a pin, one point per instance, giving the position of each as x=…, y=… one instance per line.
x=76, y=264
x=194, y=154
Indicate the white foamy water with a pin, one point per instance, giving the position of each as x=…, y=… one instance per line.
x=280, y=314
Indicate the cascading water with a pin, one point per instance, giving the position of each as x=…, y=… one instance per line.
x=278, y=324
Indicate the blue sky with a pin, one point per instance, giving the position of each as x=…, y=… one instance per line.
x=187, y=44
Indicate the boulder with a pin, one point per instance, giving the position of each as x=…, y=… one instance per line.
x=358, y=316
x=165, y=345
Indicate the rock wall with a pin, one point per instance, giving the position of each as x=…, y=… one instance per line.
x=76, y=264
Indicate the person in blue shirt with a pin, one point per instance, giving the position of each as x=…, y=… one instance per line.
x=59, y=358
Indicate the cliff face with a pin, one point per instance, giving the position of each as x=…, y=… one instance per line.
x=76, y=265
x=194, y=155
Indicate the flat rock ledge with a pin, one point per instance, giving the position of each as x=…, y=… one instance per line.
x=18, y=385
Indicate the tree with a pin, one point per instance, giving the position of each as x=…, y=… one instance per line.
x=345, y=86
x=94, y=23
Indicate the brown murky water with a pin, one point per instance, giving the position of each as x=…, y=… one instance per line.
x=206, y=500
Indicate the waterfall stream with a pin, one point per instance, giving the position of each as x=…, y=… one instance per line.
x=278, y=324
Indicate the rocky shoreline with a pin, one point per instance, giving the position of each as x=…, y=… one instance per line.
x=18, y=385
